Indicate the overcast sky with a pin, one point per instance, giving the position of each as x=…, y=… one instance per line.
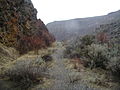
x=55, y=10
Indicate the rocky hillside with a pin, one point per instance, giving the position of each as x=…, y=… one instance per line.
x=20, y=28
x=112, y=30
x=64, y=30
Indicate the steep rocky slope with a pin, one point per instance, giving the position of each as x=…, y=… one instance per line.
x=20, y=28
x=112, y=30
x=64, y=30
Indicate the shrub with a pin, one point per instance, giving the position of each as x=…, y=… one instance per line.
x=102, y=37
x=114, y=60
x=26, y=72
x=114, y=66
x=97, y=55
x=88, y=39
x=77, y=48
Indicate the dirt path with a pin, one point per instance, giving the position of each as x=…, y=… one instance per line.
x=64, y=78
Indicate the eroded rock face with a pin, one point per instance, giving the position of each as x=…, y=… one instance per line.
x=20, y=28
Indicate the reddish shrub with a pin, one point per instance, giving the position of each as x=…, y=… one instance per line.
x=30, y=43
x=102, y=37
x=35, y=42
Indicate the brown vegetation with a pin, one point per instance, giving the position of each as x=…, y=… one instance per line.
x=78, y=64
x=20, y=28
x=102, y=37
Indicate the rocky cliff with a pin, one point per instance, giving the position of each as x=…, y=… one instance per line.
x=67, y=29
x=20, y=28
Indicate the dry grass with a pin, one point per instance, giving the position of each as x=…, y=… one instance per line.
x=43, y=52
x=25, y=70
x=97, y=78
x=7, y=55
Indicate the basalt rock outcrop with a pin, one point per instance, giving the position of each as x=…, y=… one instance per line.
x=20, y=28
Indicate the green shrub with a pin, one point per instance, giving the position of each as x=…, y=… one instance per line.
x=114, y=66
x=105, y=55
x=97, y=55
x=114, y=60
x=88, y=39
x=78, y=46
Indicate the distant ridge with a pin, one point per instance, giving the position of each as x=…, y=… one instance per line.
x=66, y=29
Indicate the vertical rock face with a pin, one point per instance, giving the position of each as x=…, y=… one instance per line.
x=20, y=28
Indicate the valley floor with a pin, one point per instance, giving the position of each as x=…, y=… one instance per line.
x=61, y=77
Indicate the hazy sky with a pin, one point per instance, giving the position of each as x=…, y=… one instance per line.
x=54, y=10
